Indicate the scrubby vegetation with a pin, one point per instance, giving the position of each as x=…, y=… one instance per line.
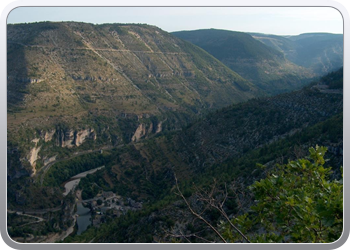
x=296, y=202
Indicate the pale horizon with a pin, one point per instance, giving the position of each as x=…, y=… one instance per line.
x=282, y=21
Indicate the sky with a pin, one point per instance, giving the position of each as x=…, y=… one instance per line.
x=268, y=20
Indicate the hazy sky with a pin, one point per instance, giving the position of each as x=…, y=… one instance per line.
x=269, y=20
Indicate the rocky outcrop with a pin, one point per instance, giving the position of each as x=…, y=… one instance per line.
x=83, y=134
x=143, y=131
x=70, y=138
x=66, y=138
x=139, y=133
x=49, y=135
x=33, y=155
x=159, y=127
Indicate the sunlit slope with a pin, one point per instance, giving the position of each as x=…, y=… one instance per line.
x=69, y=83
x=128, y=68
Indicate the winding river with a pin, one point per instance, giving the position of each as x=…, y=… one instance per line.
x=74, y=181
x=84, y=214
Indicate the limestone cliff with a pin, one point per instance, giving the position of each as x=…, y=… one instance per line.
x=83, y=134
x=142, y=130
x=66, y=138
x=71, y=138
x=48, y=135
x=159, y=127
x=33, y=156
x=139, y=133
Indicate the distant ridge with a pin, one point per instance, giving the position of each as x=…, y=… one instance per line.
x=319, y=52
x=264, y=65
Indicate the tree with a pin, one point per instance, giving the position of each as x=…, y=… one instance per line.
x=296, y=202
x=212, y=201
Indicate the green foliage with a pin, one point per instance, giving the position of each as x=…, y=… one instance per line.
x=334, y=79
x=296, y=202
x=92, y=184
x=62, y=171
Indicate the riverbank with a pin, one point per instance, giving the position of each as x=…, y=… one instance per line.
x=74, y=181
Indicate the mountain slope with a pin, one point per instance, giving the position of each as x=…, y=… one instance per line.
x=72, y=83
x=146, y=60
x=266, y=67
x=141, y=169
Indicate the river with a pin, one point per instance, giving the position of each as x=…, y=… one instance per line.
x=84, y=214
x=74, y=181
x=84, y=218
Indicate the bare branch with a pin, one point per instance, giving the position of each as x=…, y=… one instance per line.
x=196, y=214
x=211, y=201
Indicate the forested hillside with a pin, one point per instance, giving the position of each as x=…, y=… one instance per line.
x=225, y=146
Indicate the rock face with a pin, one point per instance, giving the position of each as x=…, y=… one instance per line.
x=83, y=134
x=142, y=130
x=139, y=133
x=70, y=138
x=159, y=127
x=66, y=139
x=33, y=155
x=49, y=135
